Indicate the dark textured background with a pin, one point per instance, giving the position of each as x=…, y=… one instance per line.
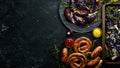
x=29, y=29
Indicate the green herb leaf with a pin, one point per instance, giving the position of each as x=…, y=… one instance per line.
x=64, y=4
x=73, y=5
x=56, y=53
x=93, y=44
x=70, y=51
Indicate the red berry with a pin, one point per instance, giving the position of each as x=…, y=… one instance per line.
x=69, y=42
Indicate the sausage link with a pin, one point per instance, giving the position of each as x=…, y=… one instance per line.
x=96, y=51
x=64, y=55
x=93, y=62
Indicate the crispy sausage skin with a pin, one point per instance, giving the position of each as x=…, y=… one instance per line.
x=82, y=44
x=96, y=51
x=77, y=60
x=64, y=55
x=93, y=62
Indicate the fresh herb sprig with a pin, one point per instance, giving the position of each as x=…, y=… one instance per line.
x=93, y=44
x=56, y=52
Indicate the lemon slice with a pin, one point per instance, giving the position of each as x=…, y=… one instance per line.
x=97, y=32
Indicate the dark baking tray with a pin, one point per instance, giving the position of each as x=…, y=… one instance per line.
x=106, y=60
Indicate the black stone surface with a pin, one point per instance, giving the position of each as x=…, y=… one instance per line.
x=29, y=29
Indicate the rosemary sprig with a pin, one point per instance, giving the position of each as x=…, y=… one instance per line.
x=56, y=52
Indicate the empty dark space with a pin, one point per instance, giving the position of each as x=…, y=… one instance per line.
x=29, y=29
